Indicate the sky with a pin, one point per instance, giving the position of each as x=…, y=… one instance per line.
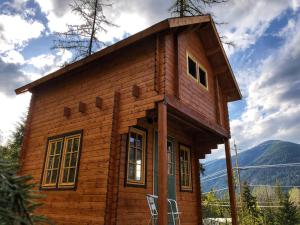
x=265, y=59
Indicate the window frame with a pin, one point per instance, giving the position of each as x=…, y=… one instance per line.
x=129, y=182
x=190, y=187
x=198, y=66
x=57, y=185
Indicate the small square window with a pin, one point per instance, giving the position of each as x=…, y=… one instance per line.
x=192, y=65
x=196, y=70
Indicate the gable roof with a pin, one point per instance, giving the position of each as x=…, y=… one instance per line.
x=171, y=23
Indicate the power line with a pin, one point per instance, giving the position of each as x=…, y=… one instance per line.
x=222, y=189
x=213, y=178
x=267, y=185
x=214, y=174
x=268, y=166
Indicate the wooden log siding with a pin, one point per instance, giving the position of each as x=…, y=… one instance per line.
x=114, y=163
x=191, y=93
x=151, y=63
x=120, y=71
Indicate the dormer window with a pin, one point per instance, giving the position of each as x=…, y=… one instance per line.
x=196, y=71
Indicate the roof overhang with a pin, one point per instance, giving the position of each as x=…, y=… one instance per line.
x=167, y=24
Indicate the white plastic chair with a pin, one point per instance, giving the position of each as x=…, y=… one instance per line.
x=153, y=209
x=173, y=207
x=174, y=211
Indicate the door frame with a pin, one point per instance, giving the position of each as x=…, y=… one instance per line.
x=155, y=146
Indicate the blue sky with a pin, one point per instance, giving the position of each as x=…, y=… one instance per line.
x=265, y=59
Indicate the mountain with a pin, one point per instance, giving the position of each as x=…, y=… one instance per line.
x=266, y=153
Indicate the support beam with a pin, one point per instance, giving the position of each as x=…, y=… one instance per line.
x=198, y=186
x=230, y=183
x=162, y=165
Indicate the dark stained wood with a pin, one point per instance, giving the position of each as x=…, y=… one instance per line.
x=67, y=112
x=81, y=107
x=230, y=183
x=135, y=91
x=162, y=165
x=98, y=102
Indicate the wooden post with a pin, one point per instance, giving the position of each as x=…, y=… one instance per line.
x=198, y=186
x=230, y=183
x=162, y=165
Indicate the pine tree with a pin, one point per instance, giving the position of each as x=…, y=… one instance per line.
x=288, y=214
x=17, y=200
x=12, y=149
x=82, y=39
x=253, y=214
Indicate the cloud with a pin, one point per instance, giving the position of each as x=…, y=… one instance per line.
x=11, y=77
x=273, y=103
x=247, y=20
x=15, y=32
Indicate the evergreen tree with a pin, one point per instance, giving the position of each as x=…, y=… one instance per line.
x=252, y=214
x=12, y=149
x=288, y=214
x=82, y=39
x=17, y=200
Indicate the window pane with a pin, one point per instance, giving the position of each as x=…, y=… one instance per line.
x=139, y=156
x=54, y=176
x=132, y=155
x=65, y=175
x=50, y=164
x=52, y=148
x=132, y=138
x=192, y=67
x=72, y=175
x=56, y=161
x=76, y=145
x=69, y=147
x=74, y=159
x=131, y=174
x=139, y=141
x=48, y=176
x=138, y=171
x=58, y=147
x=67, y=160
x=202, y=77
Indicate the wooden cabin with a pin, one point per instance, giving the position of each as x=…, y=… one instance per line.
x=130, y=120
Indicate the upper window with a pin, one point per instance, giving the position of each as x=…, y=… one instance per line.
x=197, y=71
x=62, y=159
x=192, y=67
x=185, y=168
x=136, y=157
